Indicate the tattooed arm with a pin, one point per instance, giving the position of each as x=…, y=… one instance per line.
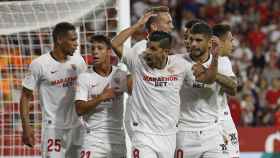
x=228, y=83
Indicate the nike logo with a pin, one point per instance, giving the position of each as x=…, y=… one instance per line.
x=52, y=72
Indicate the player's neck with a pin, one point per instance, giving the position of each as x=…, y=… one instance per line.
x=164, y=63
x=58, y=55
x=103, y=69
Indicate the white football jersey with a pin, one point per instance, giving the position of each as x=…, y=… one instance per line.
x=56, y=83
x=155, y=100
x=225, y=69
x=202, y=104
x=142, y=45
x=106, y=120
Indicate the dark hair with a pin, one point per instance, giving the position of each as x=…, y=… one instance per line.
x=61, y=29
x=163, y=38
x=202, y=28
x=101, y=39
x=153, y=19
x=220, y=30
x=190, y=23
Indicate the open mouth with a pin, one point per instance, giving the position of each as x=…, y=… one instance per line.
x=95, y=58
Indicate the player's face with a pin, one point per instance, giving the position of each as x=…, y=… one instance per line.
x=227, y=45
x=165, y=23
x=187, y=40
x=199, y=44
x=69, y=43
x=155, y=56
x=100, y=53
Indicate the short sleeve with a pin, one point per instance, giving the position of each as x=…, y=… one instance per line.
x=225, y=67
x=33, y=76
x=185, y=64
x=82, y=67
x=130, y=58
x=82, y=88
x=119, y=80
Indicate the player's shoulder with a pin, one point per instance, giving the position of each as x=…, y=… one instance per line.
x=180, y=58
x=118, y=71
x=77, y=57
x=117, y=68
x=41, y=60
x=85, y=75
x=224, y=59
x=139, y=47
x=141, y=44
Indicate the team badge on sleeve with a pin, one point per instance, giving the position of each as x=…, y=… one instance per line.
x=233, y=138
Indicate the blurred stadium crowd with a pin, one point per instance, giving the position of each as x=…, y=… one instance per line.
x=256, y=58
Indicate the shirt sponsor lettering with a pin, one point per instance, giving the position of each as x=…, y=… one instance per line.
x=66, y=82
x=160, y=81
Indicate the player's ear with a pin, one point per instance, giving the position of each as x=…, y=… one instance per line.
x=154, y=27
x=167, y=51
x=109, y=51
x=209, y=43
x=59, y=40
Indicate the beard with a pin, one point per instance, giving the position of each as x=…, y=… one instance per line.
x=197, y=52
x=188, y=49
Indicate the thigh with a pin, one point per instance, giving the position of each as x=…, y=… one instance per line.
x=166, y=145
x=118, y=151
x=96, y=150
x=214, y=143
x=92, y=147
x=188, y=145
x=142, y=146
x=142, y=151
x=76, y=135
x=73, y=140
x=73, y=151
x=53, y=145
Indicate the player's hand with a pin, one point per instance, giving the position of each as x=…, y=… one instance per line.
x=28, y=136
x=215, y=48
x=142, y=21
x=200, y=73
x=198, y=70
x=203, y=74
x=108, y=93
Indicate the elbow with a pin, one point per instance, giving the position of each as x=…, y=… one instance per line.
x=232, y=92
x=79, y=109
x=115, y=45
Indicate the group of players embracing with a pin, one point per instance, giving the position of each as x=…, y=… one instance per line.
x=177, y=104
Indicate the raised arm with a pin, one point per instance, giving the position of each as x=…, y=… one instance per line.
x=118, y=41
x=28, y=133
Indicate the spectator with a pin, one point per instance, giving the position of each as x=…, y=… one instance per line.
x=273, y=94
x=235, y=110
x=247, y=110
